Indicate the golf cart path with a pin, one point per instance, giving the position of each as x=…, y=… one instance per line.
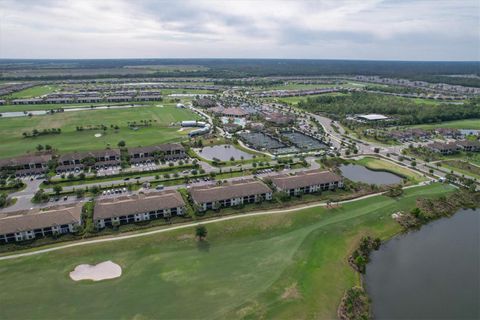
x=189, y=225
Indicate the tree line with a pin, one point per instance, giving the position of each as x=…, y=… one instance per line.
x=403, y=111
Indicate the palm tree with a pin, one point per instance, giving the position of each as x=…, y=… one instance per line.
x=201, y=232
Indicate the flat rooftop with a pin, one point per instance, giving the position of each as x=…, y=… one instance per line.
x=372, y=116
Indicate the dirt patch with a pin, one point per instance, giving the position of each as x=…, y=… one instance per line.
x=291, y=293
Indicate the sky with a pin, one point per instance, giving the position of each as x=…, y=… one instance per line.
x=322, y=29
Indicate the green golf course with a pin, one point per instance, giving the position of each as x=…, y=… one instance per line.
x=276, y=266
x=159, y=129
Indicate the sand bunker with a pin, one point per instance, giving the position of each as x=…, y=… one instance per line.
x=98, y=135
x=102, y=271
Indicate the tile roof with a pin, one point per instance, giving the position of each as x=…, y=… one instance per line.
x=138, y=203
x=236, y=189
x=37, y=218
x=304, y=179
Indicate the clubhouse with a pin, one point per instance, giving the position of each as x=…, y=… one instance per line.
x=36, y=223
x=27, y=164
x=307, y=182
x=230, y=194
x=138, y=207
x=169, y=151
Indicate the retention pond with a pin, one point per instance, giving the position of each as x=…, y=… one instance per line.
x=359, y=173
x=433, y=273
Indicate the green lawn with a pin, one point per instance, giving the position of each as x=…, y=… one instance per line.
x=283, y=266
x=295, y=100
x=161, y=131
x=34, y=91
x=462, y=167
x=473, y=124
x=379, y=164
x=34, y=107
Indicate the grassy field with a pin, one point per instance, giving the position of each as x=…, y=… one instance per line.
x=473, y=124
x=463, y=167
x=280, y=266
x=34, y=91
x=34, y=107
x=379, y=164
x=161, y=131
x=295, y=100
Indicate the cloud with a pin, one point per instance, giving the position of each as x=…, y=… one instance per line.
x=367, y=29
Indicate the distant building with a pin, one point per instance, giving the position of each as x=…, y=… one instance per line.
x=469, y=146
x=443, y=148
x=235, y=112
x=27, y=101
x=35, y=223
x=372, y=117
x=448, y=133
x=279, y=118
x=169, y=151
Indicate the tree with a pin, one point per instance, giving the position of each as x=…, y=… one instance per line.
x=57, y=189
x=3, y=200
x=121, y=143
x=95, y=190
x=79, y=193
x=40, y=196
x=201, y=232
x=39, y=147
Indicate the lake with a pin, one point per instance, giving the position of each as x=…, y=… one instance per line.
x=359, y=173
x=222, y=152
x=433, y=273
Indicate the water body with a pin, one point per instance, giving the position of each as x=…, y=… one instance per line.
x=433, y=273
x=222, y=152
x=359, y=173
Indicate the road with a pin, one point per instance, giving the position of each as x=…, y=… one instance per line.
x=25, y=196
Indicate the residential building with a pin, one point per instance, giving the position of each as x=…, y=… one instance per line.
x=448, y=133
x=27, y=101
x=235, y=113
x=36, y=223
x=138, y=207
x=119, y=98
x=149, y=97
x=230, y=194
x=279, y=118
x=27, y=164
x=75, y=161
x=443, y=148
x=469, y=146
x=168, y=151
x=307, y=182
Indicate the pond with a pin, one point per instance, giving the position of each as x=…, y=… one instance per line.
x=432, y=273
x=359, y=173
x=222, y=152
